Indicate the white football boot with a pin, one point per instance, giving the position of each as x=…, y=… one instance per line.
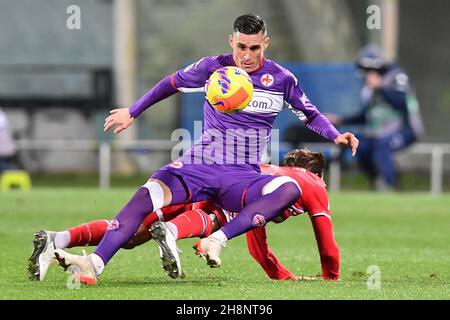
x=80, y=266
x=42, y=255
x=209, y=248
x=168, y=250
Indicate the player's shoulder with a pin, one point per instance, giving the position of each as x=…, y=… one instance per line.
x=280, y=71
x=219, y=61
x=269, y=169
x=225, y=59
x=210, y=63
x=305, y=177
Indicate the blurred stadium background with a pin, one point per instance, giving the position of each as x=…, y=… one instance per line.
x=57, y=84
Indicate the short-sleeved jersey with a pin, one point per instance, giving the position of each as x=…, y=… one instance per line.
x=275, y=88
x=314, y=198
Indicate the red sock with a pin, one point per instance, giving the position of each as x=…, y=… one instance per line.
x=90, y=233
x=194, y=223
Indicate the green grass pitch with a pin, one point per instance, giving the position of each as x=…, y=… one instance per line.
x=407, y=236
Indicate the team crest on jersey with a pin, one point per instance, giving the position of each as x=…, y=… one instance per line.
x=259, y=220
x=267, y=80
x=176, y=164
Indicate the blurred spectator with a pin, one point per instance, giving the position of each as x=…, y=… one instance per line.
x=8, y=152
x=389, y=115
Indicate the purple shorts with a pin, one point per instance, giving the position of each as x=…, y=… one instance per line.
x=229, y=186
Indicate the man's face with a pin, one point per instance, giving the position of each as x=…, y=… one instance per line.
x=248, y=49
x=374, y=80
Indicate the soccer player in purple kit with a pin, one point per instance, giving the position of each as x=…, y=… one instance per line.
x=211, y=169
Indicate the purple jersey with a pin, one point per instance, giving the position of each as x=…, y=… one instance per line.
x=241, y=137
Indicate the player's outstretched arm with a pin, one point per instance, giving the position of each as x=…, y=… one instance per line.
x=328, y=248
x=260, y=251
x=314, y=120
x=120, y=118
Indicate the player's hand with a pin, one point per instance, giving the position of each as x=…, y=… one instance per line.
x=347, y=139
x=120, y=118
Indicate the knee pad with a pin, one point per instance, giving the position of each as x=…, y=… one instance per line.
x=156, y=193
x=278, y=182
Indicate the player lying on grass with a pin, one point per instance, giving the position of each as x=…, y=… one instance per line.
x=307, y=169
x=202, y=218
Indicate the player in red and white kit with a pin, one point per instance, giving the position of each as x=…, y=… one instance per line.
x=307, y=169
x=202, y=218
x=314, y=201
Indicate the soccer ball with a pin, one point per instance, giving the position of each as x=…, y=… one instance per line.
x=229, y=89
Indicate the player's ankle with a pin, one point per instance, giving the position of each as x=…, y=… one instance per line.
x=220, y=237
x=173, y=229
x=62, y=240
x=98, y=263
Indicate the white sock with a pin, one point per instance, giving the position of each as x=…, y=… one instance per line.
x=220, y=237
x=98, y=263
x=62, y=239
x=172, y=228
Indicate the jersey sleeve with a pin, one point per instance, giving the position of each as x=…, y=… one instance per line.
x=260, y=251
x=327, y=246
x=193, y=77
x=190, y=79
x=297, y=101
x=160, y=91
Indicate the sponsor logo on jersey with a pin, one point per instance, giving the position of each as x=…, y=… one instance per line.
x=261, y=102
x=267, y=80
x=265, y=102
